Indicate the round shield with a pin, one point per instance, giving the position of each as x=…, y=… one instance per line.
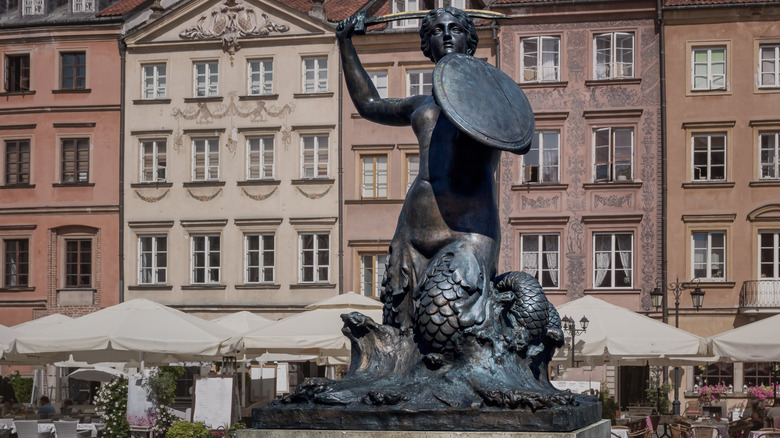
x=483, y=102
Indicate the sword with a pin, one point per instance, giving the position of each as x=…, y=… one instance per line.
x=410, y=15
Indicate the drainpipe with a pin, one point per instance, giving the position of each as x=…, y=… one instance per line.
x=341, y=177
x=664, y=158
x=122, y=53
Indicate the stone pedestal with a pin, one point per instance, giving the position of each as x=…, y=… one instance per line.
x=596, y=430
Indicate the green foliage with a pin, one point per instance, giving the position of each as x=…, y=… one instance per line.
x=7, y=390
x=23, y=387
x=112, y=400
x=185, y=429
x=608, y=405
x=651, y=394
x=161, y=389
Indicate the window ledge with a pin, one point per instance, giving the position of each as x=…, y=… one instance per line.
x=600, y=82
x=613, y=185
x=312, y=181
x=259, y=97
x=616, y=290
x=17, y=289
x=312, y=95
x=259, y=182
x=373, y=201
x=17, y=93
x=72, y=91
x=539, y=186
x=204, y=287
x=150, y=287
x=765, y=183
x=542, y=84
x=708, y=185
x=148, y=185
x=203, y=184
x=258, y=286
x=711, y=284
x=18, y=186
x=203, y=99
x=151, y=101
x=73, y=185
x=313, y=286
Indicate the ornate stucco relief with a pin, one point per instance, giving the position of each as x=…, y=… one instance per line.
x=259, y=197
x=540, y=202
x=612, y=201
x=313, y=195
x=151, y=199
x=204, y=198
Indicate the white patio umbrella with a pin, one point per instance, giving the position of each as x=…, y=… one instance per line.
x=316, y=331
x=7, y=338
x=96, y=374
x=618, y=336
x=754, y=342
x=243, y=321
x=137, y=330
x=42, y=325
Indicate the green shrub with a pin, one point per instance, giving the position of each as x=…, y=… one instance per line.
x=608, y=405
x=185, y=429
x=112, y=400
x=23, y=387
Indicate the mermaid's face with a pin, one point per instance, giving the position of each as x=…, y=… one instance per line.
x=446, y=36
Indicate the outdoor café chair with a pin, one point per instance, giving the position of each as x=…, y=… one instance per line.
x=678, y=431
x=692, y=409
x=29, y=429
x=68, y=429
x=703, y=431
x=644, y=433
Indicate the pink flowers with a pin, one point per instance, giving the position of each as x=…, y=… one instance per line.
x=760, y=392
x=711, y=393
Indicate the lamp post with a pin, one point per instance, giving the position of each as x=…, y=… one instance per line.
x=659, y=299
x=569, y=327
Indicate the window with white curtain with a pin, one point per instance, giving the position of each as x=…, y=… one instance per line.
x=769, y=254
x=539, y=256
x=314, y=156
x=314, y=257
x=613, y=154
x=769, y=65
x=709, y=255
x=205, y=258
x=261, y=77
x=379, y=79
x=708, y=68
x=613, y=55
x=613, y=260
x=153, y=161
x=373, y=176
x=205, y=159
x=769, y=144
x=154, y=81
x=541, y=59
x=540, y=164
x=260, y=157
x=419, y=82
x=372, y=271
x=259, y=258
x=16, y=263
x=709, y=157
x=205, y=79
x=152, y=259
x=405, y=6
x=412, y=169
x=315, y=74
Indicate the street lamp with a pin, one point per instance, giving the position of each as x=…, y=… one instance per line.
x=658, y=297
x=568, y=326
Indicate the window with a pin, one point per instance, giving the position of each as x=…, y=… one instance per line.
x=17, y=73
x=541, y=59
x=205, y=159
x=260, y=160
x=460, y=4
x=205, y=259
x=153, y=161
x=74, y=71
x=405, y=6
x=78, y=263
x=769, y=254
x=16, y=271
x=83, y=6
x=613, y=260
x=419, y=82
x=259, y=258
x=613, y=150
x=17, y=162
x=769, y=142
x=261, y=77
x=614, y=55
x=379, y=79
x=709, y=68
x=714, y=374
x=412, y=169
x=539, y=255
x=709, y=157
x=154, y=81
x=372, y=271
x=757, y=373
x=374, y=176
x=315, y=75
x=75, y=161
x=769, y=65
x=315, y=156
x=315, y=257
x=32, y=7
x=540, y=164
x=152, y=259
x=206, y=79
x=709, y=255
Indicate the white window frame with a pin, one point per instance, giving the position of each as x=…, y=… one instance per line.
x=613, y=253
x=159, y=171
x=380, y=80
x=154, y=83
x=544, y=142
x=260, y=157
x=416, y=83
x=376, y=272
x=406, y=6
x=32, y=7
x=260, y=77
x=709, y=75
x=373, y=178
x=614, y=168
x=774, y=248
x=769, y=143
x=540, y=258
x=708, y=253
x=316, y=251
x=210, y=170
x=209, y=271
x=460, y=4
x=210, y=77
x=83, y=6
x=614, y=67
x=316, y=165
x=412, y=170
x=709, y=152
x=156, y=256
x=266, y=272
x=538, y=72
x=314, y=79
x=769, y=56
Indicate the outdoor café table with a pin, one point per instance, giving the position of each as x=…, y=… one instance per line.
x=722, y=426
x=619, y=433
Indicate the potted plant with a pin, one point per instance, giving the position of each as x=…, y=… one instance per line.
x=709, y=394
